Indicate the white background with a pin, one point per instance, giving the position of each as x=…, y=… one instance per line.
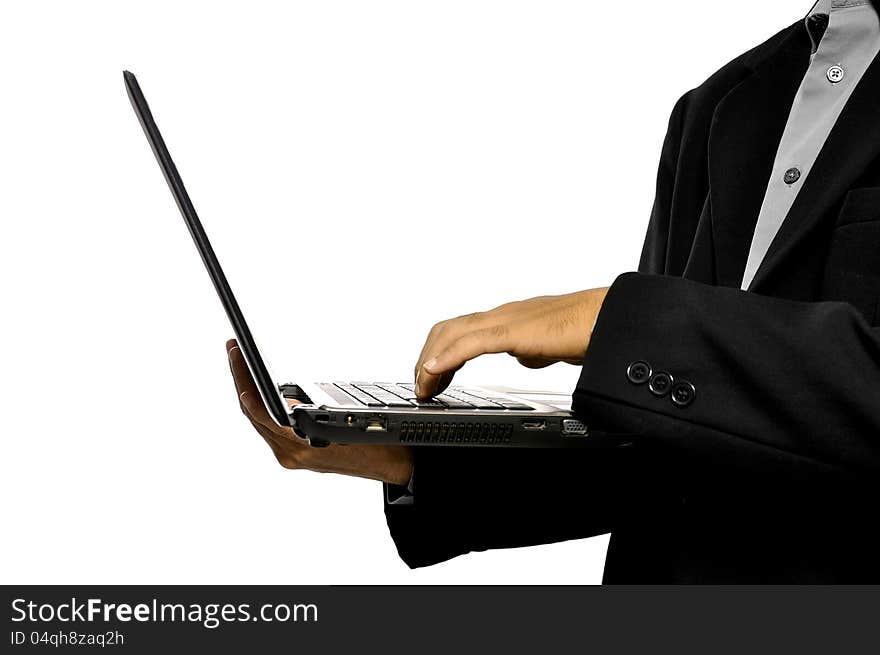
x=390, y=163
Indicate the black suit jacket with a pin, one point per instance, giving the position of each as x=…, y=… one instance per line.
x=771, y=473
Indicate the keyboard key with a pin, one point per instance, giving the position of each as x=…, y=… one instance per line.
x=454, y=403
x=358, y=395
x=454, y=393
x=479, y=403
x=394, y=401
x=485, y=404
x=509, y=404
x=431, y=403
x=369, y=388
x=473, y=401
x=397, y=390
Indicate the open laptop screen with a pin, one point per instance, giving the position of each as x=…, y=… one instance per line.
x=271, y=396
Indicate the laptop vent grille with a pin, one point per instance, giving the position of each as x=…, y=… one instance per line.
x=484, y=434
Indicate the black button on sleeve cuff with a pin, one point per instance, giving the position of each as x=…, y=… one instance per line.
x=638, y=372
x=660, y=383
x=683, y=393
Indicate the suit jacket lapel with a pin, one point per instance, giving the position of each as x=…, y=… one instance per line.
x=746, y=129
x=851, y=146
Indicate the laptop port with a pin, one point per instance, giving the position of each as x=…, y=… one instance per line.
x=534, y=424
x=574, y=427
x=375, y=425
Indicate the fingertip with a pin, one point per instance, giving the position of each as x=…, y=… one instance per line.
x=230, y=344
x=233, y=353
x=419, y=389
x=424, y=384
x=235, y=356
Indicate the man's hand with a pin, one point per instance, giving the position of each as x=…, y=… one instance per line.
x=538, y=332
x=387, y=463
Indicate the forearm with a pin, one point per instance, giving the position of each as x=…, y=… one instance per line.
x=392, y=464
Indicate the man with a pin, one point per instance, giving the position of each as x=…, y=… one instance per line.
x=744, y=355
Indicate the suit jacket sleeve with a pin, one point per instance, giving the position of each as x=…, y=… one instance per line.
x=473, y=499
x=783, y=388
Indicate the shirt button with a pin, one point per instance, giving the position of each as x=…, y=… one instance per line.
x=834, y=74
x=792, y=175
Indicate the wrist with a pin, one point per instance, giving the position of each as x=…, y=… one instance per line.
x=399, y=466
x=592, y=305
x=598, y=300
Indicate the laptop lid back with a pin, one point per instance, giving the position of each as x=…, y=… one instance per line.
x=269, y=392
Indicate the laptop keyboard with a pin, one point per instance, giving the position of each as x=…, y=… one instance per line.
x=385, y=394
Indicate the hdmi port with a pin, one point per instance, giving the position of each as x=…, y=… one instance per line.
x=534, y=424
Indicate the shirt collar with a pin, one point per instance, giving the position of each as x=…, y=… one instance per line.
x=825, y=7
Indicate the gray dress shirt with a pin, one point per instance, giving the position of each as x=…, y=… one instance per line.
x=840, y=57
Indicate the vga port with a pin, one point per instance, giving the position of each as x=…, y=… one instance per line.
x=573, y=426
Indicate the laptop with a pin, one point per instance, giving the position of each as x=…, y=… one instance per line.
x=375, y=412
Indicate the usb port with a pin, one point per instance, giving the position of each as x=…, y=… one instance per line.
x=375, y=425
